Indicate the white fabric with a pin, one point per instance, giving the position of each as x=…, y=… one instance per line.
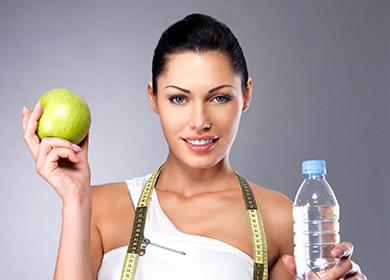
x=206, y=258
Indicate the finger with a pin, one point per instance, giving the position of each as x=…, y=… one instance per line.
x=55, y=154
x=84, y=145
x=31, y=127
x=34, y=116
x=343, y=250
x=343, y=269
x=289, y=263
x=354, y=272
x=49, y=163
x=49, y=143
x=25, y=114
x=357, y=276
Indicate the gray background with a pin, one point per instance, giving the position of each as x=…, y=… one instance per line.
x=321, y=90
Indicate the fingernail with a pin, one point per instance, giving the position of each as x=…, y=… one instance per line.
x=76, y=147
x=37, y=107
x=336, y=252
x=24, y=109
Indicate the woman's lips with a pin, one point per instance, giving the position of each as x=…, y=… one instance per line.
x=201, y=148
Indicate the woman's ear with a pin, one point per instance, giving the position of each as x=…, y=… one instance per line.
x=247, y=94
x=152, y=97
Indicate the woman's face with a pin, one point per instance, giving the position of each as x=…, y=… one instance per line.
x=199, y=96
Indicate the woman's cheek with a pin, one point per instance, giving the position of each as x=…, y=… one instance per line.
x=172, y=123
x=228, y=120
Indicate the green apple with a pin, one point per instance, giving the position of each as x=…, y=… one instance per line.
x=65, y=115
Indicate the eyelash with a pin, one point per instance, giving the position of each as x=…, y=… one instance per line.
x=173, y=97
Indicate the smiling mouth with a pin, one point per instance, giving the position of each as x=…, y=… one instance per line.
x=202, y=142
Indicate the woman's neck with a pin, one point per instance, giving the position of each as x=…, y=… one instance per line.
x=188, y=181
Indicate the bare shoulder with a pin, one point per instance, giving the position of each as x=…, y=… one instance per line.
x=112, y=213
x=107, y=198
x=276, y=210
x=276, y=202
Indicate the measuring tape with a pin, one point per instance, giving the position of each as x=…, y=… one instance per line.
x=259, y=242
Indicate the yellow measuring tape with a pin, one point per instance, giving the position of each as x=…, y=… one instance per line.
x=259, y=242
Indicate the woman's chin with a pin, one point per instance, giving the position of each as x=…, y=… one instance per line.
x=201, y=163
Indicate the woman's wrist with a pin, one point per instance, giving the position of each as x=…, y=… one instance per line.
x=78, y=202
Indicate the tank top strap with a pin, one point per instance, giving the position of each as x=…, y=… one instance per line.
x=156, y=223
x=135, y=187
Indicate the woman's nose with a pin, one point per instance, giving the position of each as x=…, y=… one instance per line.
x=199, y=119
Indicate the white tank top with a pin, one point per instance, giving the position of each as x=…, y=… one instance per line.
x=206, y=258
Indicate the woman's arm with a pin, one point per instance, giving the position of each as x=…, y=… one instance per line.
x=65, y=167
x=282, y=229
x=73, y=259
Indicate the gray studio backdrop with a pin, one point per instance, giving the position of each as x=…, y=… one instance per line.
x=321, y=90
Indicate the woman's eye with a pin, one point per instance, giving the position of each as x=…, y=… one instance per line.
x=222, y=98
x=177, y=99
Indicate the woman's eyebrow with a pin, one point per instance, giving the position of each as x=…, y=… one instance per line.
x=210, y=91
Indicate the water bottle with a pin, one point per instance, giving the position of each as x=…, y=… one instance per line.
x=316, y=225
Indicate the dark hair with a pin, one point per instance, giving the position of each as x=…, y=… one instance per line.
x=198, y=33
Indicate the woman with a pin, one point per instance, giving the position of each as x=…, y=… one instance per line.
x=196, y=218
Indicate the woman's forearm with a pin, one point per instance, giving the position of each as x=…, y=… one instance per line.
x=73, y=259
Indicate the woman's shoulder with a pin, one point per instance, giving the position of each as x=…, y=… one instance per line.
x=99, y=191
x=113, y=196
x=276, y=200
x=103, y=191
x=113, y=210
x=276, y=210
x=106, y=197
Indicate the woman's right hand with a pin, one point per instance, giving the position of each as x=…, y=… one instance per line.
x=62, y=164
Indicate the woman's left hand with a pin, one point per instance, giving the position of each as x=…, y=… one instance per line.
x=344, y=269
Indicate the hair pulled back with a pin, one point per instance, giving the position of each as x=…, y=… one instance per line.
x=198, y=33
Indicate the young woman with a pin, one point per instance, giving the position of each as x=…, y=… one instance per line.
x=197, y=218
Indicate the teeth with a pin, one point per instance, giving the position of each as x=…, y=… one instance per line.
x=200, y=142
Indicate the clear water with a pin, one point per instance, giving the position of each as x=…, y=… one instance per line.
x=316, y=232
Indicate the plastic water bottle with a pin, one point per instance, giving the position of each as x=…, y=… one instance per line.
x=316, y=225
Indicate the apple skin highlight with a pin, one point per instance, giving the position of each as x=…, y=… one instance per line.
x=65, y=115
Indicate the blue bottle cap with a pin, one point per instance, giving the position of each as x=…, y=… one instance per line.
x=314, y=167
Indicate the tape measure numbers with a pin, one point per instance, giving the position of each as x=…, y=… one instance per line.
x=259, y=242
